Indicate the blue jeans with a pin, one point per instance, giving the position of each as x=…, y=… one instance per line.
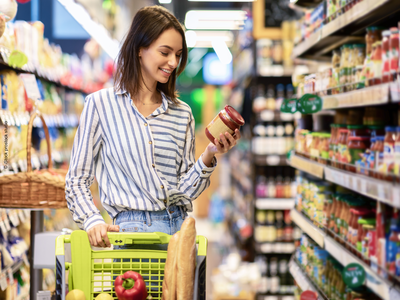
x=168, y=221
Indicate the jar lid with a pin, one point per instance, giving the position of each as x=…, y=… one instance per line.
x=343, y=130
x=386, y=33
x=341, y=125
x=390, y=129
x=380, y=138
x=394, y=30
x=236, y=117
x=374, y=28
x=359, y=45
x=375, y=127
x=373, y=140
x=359, y=138
x=356, y=126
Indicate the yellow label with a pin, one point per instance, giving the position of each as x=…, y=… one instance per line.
x=217, y=126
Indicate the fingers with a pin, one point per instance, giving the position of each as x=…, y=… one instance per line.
x=231, y=139
x=99, y=239
x=224, y=143
x=237, y=134
x=113, y=228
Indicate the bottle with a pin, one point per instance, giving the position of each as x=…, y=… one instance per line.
x=280, y=95
x=270, y=98
x=259, y=100
x=393, y=244
x=388, y=155
x=279, y=187
x=271, y=188
x=261, y=188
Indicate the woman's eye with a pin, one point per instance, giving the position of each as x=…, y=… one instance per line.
x=163, y=53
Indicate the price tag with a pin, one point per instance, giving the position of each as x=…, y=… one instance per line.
x=381, y=192
x=10, y=276
x=31, y=87
x=354, y=183
x=363, y=186
x=396, y=196
x=3, y=282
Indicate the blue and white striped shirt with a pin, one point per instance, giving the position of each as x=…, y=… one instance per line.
x=140, y=163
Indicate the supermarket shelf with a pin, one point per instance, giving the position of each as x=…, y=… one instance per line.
x=353, y=21
x=378, y=285
x=307, y=226
x=274, y=203
x=379, y=190
x=307, y=166
x=275, y=248
x=306, y=3
x=5, y=66
x=302, y=279
x=270, y=160
x=274, y=116
x=374, y=95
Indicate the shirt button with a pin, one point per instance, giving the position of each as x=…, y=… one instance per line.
x=145, y=124
x=153, y=165
x=204, y=172
x=165, y=201
x=150, y=142
x=162, y=187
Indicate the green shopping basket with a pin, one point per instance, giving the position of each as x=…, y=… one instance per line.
x=94, y=272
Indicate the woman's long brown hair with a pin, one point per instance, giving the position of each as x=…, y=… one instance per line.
x=147, y=25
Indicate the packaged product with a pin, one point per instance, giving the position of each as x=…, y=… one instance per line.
x=386, y=56
x=394, y=50
x=397, y=152
x=389, y=145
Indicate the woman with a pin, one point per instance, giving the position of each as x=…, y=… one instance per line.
x=138, y=139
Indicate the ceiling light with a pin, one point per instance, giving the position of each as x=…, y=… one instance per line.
x=164, y=1
x=222, y=51
x=215, y=19
x=97, y=31
x=204, y=39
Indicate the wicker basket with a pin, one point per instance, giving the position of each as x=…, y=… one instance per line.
x=34, y=189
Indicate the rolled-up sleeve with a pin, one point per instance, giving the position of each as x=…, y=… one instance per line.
x=80, y=176
x=193, y=176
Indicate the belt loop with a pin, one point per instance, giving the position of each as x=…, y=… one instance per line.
x=148, y=219
x=182, y=212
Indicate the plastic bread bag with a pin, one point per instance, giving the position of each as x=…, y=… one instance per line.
x=186, y=260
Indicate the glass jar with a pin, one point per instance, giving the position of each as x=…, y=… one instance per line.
x=357, y=130
x=357, y=146
x=342, y=148
x=227, y=120
x=388, y=156
x=397, y=152
x=376, y=71
x=376, y=130
x=386, y=56
x=379, y=158
x=394, y=53
x=374, y=34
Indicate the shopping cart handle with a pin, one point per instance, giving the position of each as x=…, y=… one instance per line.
x=122, y=238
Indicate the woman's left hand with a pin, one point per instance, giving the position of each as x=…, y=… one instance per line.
x=228, y=142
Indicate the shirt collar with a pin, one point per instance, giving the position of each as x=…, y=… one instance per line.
x=120, y=92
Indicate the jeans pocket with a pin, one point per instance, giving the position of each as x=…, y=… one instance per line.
x=133, y=226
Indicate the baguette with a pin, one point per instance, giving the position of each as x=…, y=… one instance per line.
x=186, y=260
x=170, y=270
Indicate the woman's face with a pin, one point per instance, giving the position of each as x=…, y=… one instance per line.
x=162, y=57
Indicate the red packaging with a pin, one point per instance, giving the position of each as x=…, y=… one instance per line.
x=386, y=47
x=394, y=53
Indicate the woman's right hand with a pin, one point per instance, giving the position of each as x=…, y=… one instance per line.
x=98, y=234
